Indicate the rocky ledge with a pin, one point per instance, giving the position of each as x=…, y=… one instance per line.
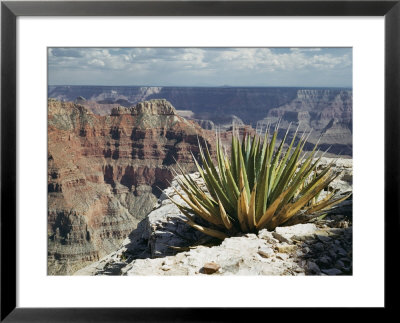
x=151, y=107
x=163, y=244
x=310, y=251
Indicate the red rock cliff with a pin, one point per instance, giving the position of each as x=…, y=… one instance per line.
x=103, y=174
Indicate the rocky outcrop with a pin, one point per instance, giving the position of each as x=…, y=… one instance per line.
x=105, y=174
x=250, y=104
x=164, y=245
x=322, y=251
x=327, y=112
x=120, y=110
x=154, y=107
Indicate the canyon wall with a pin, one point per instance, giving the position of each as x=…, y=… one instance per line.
x=328, y=111
x=250, y=104
x=105, y=174
x=109, y=153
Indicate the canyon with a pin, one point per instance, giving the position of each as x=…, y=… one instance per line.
x=327, y=111
x=105, y=173
x=325, y=114
x=112, y=150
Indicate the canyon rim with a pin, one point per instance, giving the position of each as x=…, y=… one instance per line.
x=120, y=120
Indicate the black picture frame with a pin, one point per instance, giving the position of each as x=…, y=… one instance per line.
x=10, y=10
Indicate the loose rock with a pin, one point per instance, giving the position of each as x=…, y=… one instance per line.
x=282, y=256
x=318, y=246
x=266, y=252
x=313, y=268
x=165, y=267
x=286, y=248
x=339, y=264
x=332, y=271
x=210, y=268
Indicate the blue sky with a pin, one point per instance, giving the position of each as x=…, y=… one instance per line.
x=314, y=67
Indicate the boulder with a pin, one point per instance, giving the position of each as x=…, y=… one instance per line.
x=298, y=232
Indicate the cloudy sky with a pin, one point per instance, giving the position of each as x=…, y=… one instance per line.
x=320, y=67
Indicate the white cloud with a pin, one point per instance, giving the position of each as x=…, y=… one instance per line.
x=215, y=63
x=96, y=62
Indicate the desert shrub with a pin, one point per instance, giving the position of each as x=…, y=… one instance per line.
x=258, y=186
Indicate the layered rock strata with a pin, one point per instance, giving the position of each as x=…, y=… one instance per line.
x=105, y=174
x=328, y=113
x=250, y=104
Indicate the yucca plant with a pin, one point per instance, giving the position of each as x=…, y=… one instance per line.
x=259, y=186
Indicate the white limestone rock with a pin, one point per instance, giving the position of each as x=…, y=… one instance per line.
x=147, y=250
x=298, y=232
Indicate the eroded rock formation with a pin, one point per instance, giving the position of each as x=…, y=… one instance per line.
x=326, y=112
x=104, y=174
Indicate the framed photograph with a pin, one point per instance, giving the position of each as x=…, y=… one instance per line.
x=163, y=159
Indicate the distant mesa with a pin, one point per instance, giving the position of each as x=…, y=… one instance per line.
x=154, y=107
x=151, y=107
x=327, y=111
